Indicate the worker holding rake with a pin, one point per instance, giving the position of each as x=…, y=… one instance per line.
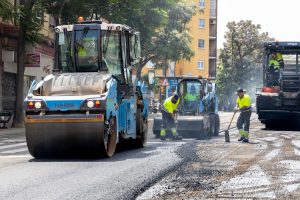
x=244, y=106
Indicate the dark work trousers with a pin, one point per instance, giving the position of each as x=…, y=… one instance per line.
x=168, y=122
x=244, y=120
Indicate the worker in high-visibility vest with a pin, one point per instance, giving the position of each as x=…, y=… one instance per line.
x=244, y=107
x=168, y=117
x=81, y=51
x=273, y=63
x=279, y=59
x=192, y=95
x=274, y=68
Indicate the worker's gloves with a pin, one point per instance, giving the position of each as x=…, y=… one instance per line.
x=236, y=109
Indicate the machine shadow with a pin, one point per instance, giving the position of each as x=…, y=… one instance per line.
x=123, y=152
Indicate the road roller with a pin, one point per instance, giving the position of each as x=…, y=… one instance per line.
x=92, y=100
x=197, y=115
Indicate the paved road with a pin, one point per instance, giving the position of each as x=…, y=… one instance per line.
x=267, y=168
x=190, y=169
x=120, y=177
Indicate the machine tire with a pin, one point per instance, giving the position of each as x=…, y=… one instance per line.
x=217, y=125
x=109, y=144
x=34, y=147
x=141, y=129
x=204, y=131
x=156, y=134
x=212, y=125
x=92, y=144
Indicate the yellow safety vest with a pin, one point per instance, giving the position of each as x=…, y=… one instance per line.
x=279, y=56
x=169, y=106
x=81, y=52
x=190, y=97
x=245, y=101
x=275, y=63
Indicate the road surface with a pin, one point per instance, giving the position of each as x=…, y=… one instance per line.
x=267, y=168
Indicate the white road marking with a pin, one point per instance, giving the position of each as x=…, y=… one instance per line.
x=296, y=143
x=14, y=151
x=297, y=152
x=272, y=154
x=16, y=156
x=12, y=145
x=292, y=175
x=253, y=179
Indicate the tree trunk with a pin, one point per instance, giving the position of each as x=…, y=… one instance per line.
x=1, y=77
x=19, y=116
x=139, y=73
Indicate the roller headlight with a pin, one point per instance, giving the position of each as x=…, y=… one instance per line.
x=90, y=104
x=37, y=105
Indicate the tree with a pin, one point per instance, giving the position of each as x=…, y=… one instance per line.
x=240, y=60
x=164, y=35
x=6, y=13
x=29, y=27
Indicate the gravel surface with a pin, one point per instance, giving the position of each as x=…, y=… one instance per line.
x=266, y=168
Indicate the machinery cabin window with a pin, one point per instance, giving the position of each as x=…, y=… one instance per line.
x=190, y=90
x=87, y=50
x=64, y=52
x=112, y=53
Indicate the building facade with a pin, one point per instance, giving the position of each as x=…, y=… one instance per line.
x=39, y=58
x=203, y=30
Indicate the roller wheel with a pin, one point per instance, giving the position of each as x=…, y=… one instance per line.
x=156, y=134
x=212, y=125
x=109, y=138
x=141, y=129
x=217, y=125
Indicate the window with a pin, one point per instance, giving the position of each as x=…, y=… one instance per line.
x=86, y=48
x=213, y=9
x=201, y=3
x=112, y=54
x=201, y=23
x=200, y=65
x=201, y=43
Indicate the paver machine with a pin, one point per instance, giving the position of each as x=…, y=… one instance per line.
x=91, y=102
x=278, y=101
x=197, y=111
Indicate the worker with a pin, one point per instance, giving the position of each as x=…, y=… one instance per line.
x=279, y=59
x=244, y=106
x=81, y=51
x=192, y=95
x=168, y=117
x=274, y=65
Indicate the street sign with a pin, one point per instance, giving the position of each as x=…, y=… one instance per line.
x=165, y=82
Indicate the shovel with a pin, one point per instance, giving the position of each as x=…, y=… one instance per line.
x=227, y=138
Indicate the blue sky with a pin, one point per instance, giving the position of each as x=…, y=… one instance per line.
x=279, y=18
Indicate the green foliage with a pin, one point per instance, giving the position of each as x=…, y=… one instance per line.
x=162, y=24
x=240, y=60
x=6, y=10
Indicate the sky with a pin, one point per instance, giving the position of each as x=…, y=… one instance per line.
x=280, y=18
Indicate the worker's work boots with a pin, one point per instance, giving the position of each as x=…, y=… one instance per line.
x=241, y=139
x=177, y=137
x=246, y=140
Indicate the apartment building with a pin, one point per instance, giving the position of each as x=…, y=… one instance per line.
x=203, y=29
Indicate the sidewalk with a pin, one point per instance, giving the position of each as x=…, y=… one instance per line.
x=12, y=131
